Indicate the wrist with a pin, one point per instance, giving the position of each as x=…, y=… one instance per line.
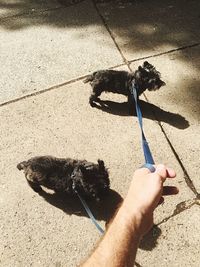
x=132, y=220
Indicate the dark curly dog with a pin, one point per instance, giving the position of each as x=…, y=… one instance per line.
x=67, y=175
x=120, y=82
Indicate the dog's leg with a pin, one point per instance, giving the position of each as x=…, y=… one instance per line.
x=95, y=94
x=34, y=186
x=131, y=105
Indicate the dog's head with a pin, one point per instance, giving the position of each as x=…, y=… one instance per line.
x=147, y=77
x=91, y=180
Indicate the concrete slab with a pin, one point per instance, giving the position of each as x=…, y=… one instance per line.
x=180, y=97
x=178, y=244
x=47, y=231
x=144, y=28
x=44, y=49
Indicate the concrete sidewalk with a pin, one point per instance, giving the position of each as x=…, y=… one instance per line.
x=47, y=47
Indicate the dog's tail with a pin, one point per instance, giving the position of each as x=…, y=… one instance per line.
x=22, y=165
x=90, y=78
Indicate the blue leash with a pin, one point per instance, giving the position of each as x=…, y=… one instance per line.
x=87, y=209
x=149, y=162
x=147, y=152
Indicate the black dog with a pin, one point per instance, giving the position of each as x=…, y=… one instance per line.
x=67, y=175
x=121, y=82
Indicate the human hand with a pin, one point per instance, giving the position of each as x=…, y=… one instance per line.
x=146, y=192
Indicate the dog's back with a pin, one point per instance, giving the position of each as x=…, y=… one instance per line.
x=107, y=75
x=110, y=81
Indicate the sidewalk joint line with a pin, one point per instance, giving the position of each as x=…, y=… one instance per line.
x=186, y=175
x=52, y=87
x=164, y=53
x=43, y=91
x=126, y=62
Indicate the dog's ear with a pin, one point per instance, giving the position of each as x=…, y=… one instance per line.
x=101, y=164
x=147, y=65
x=140, y=68
x=21, y=165
x=162, y=83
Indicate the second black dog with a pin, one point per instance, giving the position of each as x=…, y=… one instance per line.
x=121, y=82
x=67, y=175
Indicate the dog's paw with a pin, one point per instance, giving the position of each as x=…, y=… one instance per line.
x=92, y=104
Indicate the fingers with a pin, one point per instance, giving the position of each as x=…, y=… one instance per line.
x=170, y=190
x=165, y=172
x=171, y=173
x=161, y=170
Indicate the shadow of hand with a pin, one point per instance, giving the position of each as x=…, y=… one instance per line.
x=149, y=241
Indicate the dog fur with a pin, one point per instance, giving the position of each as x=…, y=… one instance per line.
x=67, y=175
x=146, y=77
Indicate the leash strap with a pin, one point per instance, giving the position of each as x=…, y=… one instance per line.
x=147, y=153
x=87, y=209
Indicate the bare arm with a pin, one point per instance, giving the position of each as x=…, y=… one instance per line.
x=134, y=218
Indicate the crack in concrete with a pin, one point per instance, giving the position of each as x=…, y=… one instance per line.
x=182, y=206
x=111, y=34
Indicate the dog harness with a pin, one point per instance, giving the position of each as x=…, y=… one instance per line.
x=149, y=162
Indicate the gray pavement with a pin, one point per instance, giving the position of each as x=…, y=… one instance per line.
x=46, y=50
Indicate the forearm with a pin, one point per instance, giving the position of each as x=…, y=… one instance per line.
x=119, y=244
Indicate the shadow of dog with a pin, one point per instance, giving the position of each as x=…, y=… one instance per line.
x=149, y=111
x=103, y=210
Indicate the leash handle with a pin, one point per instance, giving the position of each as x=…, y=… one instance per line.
x=87, y=209
x=147, y=152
